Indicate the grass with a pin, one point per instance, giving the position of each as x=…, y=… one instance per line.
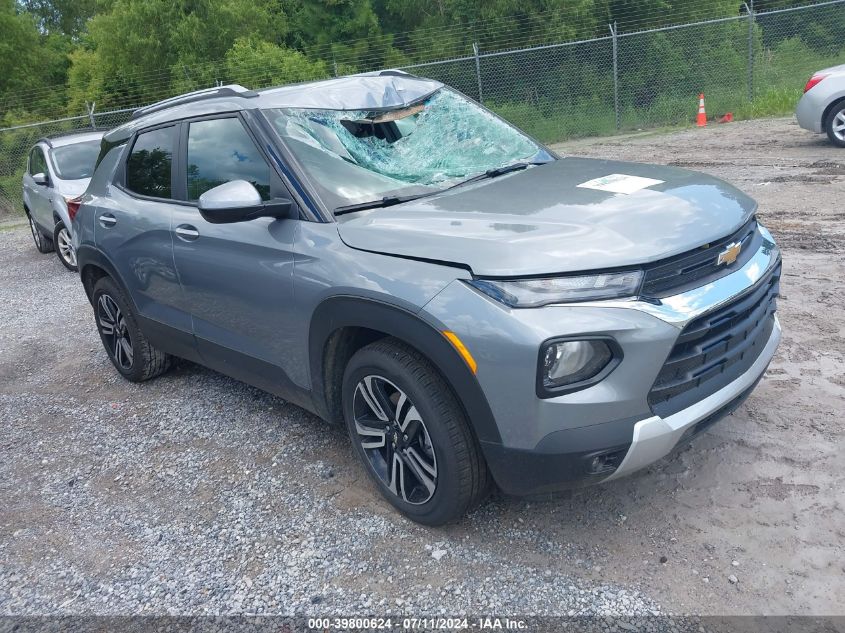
x=779, y=76
x=12, y=226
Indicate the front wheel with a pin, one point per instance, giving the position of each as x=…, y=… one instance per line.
x=42, y=243
x=835, y=125
x=64, y=246
x=410, y=432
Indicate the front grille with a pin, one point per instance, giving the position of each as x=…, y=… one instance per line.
x=695, y=268
x=716, y=348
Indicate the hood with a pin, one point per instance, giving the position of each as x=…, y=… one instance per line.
x=540, y=221
x=72, y=187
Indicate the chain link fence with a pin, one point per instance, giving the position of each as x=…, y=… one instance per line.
x=754, y=64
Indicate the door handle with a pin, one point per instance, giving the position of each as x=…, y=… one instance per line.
x=107, y=220
x=187, y=233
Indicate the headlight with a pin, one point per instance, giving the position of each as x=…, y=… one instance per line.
x=532, y=293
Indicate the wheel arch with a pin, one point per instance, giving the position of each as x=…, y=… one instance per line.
x=94, y=265
x=340, y=326
x=838, y=101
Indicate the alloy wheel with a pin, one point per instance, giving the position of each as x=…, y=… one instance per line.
x=839, y=125
x=114, y=330
x=65, y=245
x=36, y=234
x=395, y=439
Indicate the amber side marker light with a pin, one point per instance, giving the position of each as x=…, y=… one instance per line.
x=462, y=350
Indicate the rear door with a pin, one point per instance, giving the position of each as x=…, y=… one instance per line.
x=132, y=227
x=238, y=278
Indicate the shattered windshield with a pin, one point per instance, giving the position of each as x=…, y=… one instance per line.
x=357, y=156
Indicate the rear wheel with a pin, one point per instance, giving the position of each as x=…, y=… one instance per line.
x=64, y=247
x=411, y=433
x=835, y=124
x=43, y=243
x=129, y=350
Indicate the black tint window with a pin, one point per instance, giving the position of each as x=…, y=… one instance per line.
x=148, y=167
x=221, y=150
x=37, y=164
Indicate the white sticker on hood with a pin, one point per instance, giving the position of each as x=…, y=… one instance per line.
x=620, y=183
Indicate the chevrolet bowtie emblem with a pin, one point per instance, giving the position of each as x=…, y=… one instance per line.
x=729, y=255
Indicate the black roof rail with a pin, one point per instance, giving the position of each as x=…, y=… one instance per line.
x=232, y=90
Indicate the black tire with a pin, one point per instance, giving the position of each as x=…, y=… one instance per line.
x=462, y=479
x=64, y=250
x=834, y=119
x=43, y=243
x=144, y=360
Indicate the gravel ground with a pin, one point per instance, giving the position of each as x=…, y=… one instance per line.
x=196, y=494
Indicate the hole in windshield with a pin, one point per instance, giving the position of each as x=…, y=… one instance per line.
x=360, y=156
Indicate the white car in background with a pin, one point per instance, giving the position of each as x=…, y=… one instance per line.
x=822, y=108
x=58, y=171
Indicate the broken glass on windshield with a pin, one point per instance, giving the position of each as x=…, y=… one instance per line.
x=357, y=156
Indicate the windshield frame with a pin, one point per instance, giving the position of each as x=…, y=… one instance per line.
x=300, y=175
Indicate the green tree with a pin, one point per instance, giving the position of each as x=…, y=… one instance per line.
x=257, y=63
x=29, y=59
x=140, y=51
x=66, y=17
x=344, y=33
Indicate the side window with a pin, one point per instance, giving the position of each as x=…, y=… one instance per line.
x=37, y=164
x=148, y=167
x=220, y=150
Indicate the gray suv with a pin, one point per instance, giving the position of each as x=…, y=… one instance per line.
x=390, y=255
x=57, y=172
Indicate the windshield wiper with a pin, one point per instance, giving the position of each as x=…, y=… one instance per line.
x=387, y=201
x=498, y=171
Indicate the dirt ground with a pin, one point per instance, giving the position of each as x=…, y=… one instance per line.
x=194, y=493
x=765, y=487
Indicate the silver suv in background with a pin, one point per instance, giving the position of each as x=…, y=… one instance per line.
x=390, y=255
x=822, y=108
x=58, y=171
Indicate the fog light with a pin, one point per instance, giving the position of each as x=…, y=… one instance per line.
x=605, y=462
x=569, y=362
x=596, y=464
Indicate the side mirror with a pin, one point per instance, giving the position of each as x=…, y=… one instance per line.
x=239, y=201
x=41, y=179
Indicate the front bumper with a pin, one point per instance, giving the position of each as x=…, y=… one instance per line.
x=552, y=443
x=656, y=437
x=565, y=461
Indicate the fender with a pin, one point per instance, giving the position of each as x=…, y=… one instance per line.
x=87, y=255
x=346, y=311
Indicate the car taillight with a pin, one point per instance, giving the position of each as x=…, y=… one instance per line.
x=813, y=81
x=73, y=206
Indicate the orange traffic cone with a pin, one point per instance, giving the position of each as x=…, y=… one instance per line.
x=702, y=115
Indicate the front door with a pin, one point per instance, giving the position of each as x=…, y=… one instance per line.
x=37, y=197
x=237, y=278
